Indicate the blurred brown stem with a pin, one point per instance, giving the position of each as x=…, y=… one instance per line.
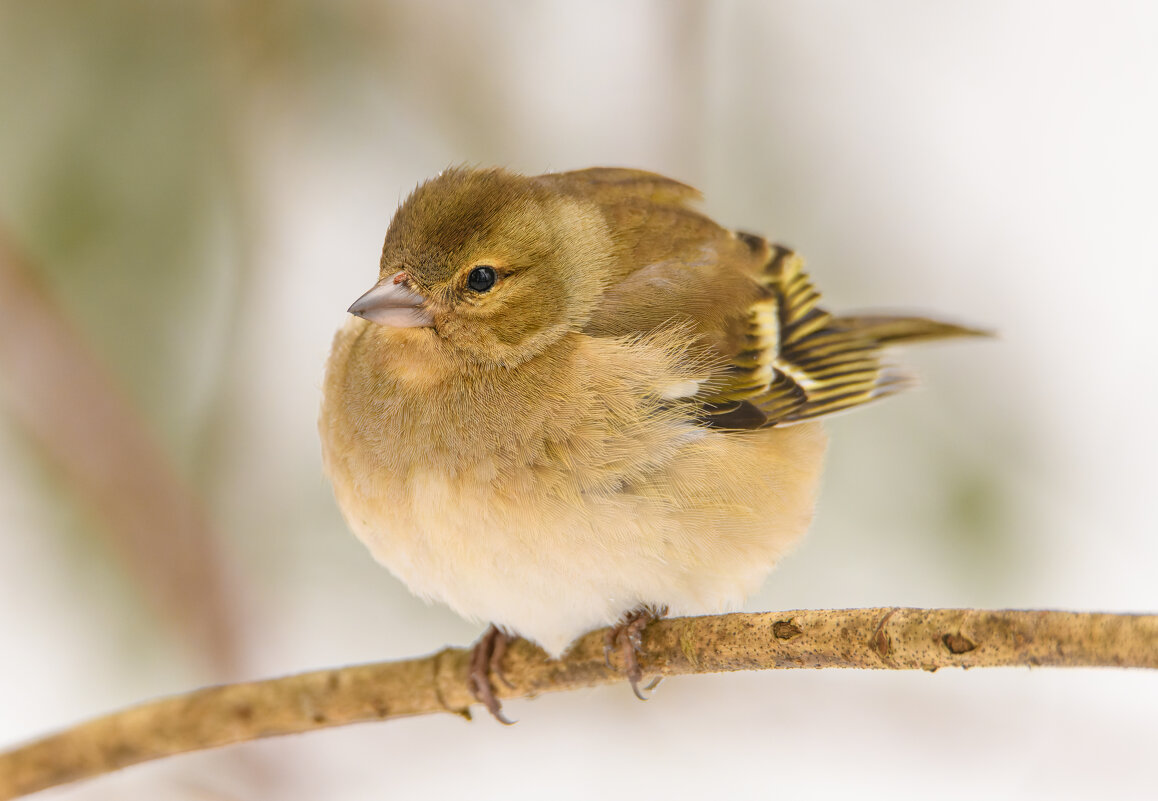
x=884, y=638
x=57, y=390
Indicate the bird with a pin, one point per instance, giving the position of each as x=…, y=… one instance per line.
x=574, y=401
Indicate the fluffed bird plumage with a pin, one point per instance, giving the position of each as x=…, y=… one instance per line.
x=626, y=417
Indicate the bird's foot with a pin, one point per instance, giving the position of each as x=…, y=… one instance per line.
x=627, y=636
x=486, y=662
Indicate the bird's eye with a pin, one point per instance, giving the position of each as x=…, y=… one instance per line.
x=481, y=278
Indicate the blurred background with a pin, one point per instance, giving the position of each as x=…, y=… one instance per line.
x=191, y=193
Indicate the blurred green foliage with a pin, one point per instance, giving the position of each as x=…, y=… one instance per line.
x=117, y=182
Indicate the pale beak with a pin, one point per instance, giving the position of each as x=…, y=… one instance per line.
x=392, y=303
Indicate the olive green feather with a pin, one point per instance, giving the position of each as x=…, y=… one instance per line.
x=749, y=303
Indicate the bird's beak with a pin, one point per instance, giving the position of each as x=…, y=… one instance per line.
x=392, y=302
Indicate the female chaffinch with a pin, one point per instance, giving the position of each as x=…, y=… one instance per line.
x=572, y=401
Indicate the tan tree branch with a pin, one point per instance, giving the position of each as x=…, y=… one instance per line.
x=886, y=638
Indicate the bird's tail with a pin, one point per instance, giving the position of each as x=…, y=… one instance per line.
x=887, y=329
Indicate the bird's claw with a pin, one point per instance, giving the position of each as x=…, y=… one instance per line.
x=485, y=663
x=628, y=637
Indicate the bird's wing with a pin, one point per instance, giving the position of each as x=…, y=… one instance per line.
x=752, y=309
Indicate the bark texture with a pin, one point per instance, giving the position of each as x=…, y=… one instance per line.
x=884, y=638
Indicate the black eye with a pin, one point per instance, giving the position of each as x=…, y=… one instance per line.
x=481, y=278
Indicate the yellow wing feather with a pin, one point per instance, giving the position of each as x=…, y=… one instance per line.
x=800, y=361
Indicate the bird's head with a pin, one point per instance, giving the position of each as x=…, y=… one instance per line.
x=495, y=265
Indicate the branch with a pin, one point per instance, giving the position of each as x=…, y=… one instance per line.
x=887, y=638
